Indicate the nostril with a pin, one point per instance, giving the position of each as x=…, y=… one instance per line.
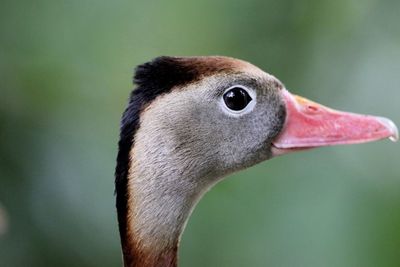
x=312, y=108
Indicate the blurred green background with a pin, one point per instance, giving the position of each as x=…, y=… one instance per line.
x=65, y=76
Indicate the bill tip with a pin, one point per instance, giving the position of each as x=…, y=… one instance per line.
x=391, y=127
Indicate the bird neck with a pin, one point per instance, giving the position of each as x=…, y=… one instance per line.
x=159, y=202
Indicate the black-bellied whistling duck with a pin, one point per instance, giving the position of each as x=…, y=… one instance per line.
x=190, y=122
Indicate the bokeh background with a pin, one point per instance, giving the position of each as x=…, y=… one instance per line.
x=65, y=76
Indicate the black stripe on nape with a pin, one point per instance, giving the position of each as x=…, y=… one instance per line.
x=162, y=73
x=153, y=78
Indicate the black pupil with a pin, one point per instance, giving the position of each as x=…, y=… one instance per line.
x=236, y=98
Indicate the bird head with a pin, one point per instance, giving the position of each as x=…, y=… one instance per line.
x=219, y=114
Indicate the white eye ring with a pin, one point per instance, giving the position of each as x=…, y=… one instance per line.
x=237, y=113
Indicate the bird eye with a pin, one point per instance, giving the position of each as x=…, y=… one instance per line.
x=237, y=98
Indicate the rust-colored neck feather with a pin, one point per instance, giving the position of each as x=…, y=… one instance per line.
x=137, y=256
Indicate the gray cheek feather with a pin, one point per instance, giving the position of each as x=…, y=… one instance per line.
x=246, y=140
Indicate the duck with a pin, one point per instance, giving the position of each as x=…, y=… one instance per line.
x=192, y=121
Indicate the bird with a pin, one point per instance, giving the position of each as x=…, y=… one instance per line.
x=192, y=121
